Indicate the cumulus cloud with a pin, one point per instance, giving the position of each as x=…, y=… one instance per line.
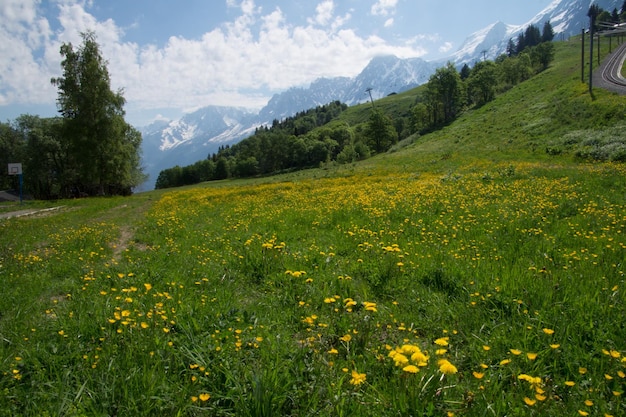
x=241, y=62
x=384, y=7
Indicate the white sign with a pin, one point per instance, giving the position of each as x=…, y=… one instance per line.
x=15, y=169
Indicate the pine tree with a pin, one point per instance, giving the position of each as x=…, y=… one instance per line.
x=548, y=32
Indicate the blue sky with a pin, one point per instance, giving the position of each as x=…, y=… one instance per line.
x=174, y=56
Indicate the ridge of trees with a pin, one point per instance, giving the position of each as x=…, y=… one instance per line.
x=89, y=150
x=322, y=135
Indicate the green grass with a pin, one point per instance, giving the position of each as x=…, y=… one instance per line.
x=321, y=292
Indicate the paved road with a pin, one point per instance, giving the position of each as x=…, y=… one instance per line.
x=609, y=74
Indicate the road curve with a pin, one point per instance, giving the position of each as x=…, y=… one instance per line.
x=609, y=74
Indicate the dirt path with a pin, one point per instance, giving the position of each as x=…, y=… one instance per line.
x=27, y=212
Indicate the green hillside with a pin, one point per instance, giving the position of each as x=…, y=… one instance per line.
x=474, y=271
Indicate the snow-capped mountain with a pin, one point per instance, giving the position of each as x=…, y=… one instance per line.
x=567, y=17
x=199, y=134
x=196, y=135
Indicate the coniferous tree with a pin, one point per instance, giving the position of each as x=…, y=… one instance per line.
x=511, y=48
x=548, y=32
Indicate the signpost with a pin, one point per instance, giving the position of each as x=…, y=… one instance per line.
x=16, y=169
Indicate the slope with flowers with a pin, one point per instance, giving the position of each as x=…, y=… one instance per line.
x=476, y=271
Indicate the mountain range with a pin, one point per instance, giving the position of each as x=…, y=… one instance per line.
x=196, y=135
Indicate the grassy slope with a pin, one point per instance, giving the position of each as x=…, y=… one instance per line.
x=479, y=208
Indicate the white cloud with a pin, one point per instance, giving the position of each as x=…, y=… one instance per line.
x=389, y=22
x=384, y=7
x=445, y=48
x=325, y=11
x=239, y=63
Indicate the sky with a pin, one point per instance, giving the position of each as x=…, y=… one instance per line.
x=171, y=57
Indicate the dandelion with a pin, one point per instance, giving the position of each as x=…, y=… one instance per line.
x=370, y=306
x=555, y=346
x=588, y=403
x=204, y=397
x=442, y=341
x=516, y=351
x=446, y=367
x=582, y=370
x=529, y=402
x=540, y=397
x=583, y=413
x=346, y=338
x=570, y=383
x=531, y=356
x=478, y=375
x=617, y=393
x=548, y=331
x=486, y=348
x=148, y=286
x=440, y=352
x=357, y=378
x=412, y=369
x=505, y=362
x=333, y=351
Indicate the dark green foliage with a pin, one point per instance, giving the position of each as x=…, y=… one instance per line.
x=445, y=95
x=101, y=150
x=482, y=83
x=381, y=133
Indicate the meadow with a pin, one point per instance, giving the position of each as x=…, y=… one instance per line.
x=495, y=291
x=468, y=273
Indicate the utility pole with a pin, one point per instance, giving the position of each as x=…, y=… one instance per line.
x=369, y=90
x=582, y=63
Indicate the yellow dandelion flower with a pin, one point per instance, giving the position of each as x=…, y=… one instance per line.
x=516, y=351
x=442, y=341
x=621, y=374
x=194, y=398
x=531, y=356
x=555, y=346
x=357, y=378
x=608, y=377
x=548, y=331
x=540, y=397
x=486, y=348
x=615, y=354
x=617, y=393
x=400, y=359
x=329, y=300
x=333, y=351
x=412, y=369
x=588, y=403
x=529, y=401
x=583, y=413
x=204, y=397
x=446, y=367
x=478, y=375
x=440, y=352
x=570, y=383
x=582, y=370
x=505, y=362
x=148, y=286
x=346, y=338
x=144, y=325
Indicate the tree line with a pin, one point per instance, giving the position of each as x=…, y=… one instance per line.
x=321, y=135
x=90, y=149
